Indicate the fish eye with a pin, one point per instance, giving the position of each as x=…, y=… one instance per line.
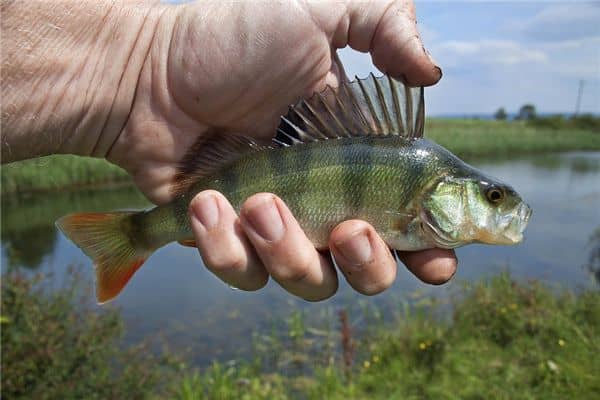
x=494, y=194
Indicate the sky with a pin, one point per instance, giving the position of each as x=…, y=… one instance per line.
x=506, y=54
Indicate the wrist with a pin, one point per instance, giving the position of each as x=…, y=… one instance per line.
x=127, y=51
x=70, y=72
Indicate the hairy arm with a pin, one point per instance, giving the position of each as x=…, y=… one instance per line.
x=69, y=73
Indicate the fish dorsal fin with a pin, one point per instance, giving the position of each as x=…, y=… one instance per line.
x=372, y=106
x=208, y=155
x=365, y=107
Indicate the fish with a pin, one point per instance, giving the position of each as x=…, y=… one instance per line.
x=352, y=152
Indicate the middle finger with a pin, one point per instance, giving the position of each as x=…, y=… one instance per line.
x=288, y=255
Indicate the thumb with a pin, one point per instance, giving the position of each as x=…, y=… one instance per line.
x=388, y=30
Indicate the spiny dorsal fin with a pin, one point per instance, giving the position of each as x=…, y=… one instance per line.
x=365, y=107
x=208, y=155
x=371, y=106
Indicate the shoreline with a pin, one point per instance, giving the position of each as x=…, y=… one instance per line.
x=468, y=139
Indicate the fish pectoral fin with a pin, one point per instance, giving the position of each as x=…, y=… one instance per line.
x=371, y=106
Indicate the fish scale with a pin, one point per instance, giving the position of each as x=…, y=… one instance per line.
x=352, y=152
x=323, y=183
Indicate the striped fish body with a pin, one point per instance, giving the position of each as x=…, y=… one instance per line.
x=379, y=180
x=352, y=152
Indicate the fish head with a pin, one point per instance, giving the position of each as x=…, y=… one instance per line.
x=473, y=209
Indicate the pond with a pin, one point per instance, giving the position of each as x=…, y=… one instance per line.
x=174, y=296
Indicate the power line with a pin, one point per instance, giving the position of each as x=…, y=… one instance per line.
x=579, y=94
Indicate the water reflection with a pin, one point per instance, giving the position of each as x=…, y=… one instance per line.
x=172, y=294
x=576, y=163
x=28, y=247
x=593, y=263
x=27, y=227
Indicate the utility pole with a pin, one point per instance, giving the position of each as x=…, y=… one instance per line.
x=579, y=94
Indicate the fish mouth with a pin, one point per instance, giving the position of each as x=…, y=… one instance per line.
x=433, y=231
x=519, y=220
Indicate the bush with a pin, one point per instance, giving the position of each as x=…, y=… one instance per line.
x=586, y=121
x=54, y=348
x=500, y=340
x=57, y=172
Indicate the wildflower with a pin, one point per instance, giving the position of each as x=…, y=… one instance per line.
x=561, y=342
x=503, y=310
x=375, y=359
x=513, y=306
x=366, y=364
x=422, y=345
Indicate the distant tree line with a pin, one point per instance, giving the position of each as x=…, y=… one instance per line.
x=528, y=113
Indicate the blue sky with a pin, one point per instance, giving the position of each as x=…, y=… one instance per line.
x=507, y=54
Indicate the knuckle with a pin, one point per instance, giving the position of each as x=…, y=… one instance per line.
x=252, y=285
x=375, y=287
x=320, y=296
x=295, y=271
x=375, y=279
x=442, y=274
x=224, y=261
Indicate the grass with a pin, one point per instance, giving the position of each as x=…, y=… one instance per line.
x=500, y=139
x=58, y=172
x=503, y=340
x=500, y=339
x=466, y=138
x=54, y=347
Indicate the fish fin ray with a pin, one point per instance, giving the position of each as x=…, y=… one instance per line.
x=209, y=154
x=373, y=106
x=106, y=238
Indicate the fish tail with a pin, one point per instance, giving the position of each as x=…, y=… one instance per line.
x=107, y=238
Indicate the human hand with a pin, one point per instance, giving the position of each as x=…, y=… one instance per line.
x=178, y=72
x=238, y=67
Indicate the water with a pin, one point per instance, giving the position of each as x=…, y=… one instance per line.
x=174, y=296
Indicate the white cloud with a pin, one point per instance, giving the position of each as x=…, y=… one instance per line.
x=575, y=58
x=541, y=60
x=487, y=51
x=559, y=22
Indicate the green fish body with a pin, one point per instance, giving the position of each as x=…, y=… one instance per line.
x=353, y=152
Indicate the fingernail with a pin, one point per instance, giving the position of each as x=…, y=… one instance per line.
x=356, y=249
x=435, y=64
x=206, y=211
x=439, y=72
x=265, y=219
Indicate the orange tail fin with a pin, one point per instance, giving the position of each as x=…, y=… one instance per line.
x=105, y=238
